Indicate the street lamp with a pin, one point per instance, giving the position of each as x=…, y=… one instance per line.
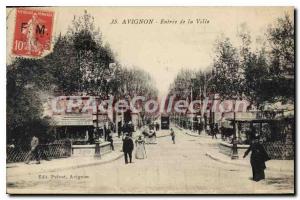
x=207, y=80
x=193, y=78
x=234, y=154
x=200, y=112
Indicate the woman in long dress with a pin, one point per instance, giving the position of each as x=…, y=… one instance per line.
x=258, y=158
x=140, y=152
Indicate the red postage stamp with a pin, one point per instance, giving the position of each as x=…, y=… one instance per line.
x=33, y=32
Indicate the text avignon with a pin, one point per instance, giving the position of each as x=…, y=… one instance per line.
x=137, y=21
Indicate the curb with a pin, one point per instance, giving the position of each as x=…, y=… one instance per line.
x=162, y=136
x=192, y=134
x=223, y=161
x=95, y=163
x=184, y=131
x=245, y=165
x=74, y=167
x=179, y=128
x=201, y=136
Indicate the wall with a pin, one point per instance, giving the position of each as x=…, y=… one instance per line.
x=89, y=150
x=226, y=149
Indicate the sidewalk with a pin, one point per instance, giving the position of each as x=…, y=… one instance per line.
x=195, y=133
x=163, y=133
x=20, y=169
x=286, y=166
x=190, y=133
x=202, y=135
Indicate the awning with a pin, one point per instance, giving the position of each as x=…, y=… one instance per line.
x=73, y=120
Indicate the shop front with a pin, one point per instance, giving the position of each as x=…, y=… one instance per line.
x=276, y=135
x=78, y=128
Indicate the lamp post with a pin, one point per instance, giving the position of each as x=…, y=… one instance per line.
x=234, y=154
x=200, y=112
x=193, y=78
x=206, y=82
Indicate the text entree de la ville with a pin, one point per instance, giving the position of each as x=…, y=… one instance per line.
x=160, y=21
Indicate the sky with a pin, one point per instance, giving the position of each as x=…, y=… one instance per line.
x=164, y=49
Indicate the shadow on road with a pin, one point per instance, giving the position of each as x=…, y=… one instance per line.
x=280, y=182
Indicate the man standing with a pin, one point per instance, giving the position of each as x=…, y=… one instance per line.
x=128, y=148
x=34, y=152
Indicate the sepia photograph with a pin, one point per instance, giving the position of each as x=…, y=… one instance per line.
x=150, y=100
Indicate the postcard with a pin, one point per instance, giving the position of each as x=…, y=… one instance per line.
x=150, y=100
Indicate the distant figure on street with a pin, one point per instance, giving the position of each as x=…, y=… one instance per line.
x=105, y=133
x=128, y=147
x=140, y=152
x=258, y=158
x=34, y=151
x=199, y=127
x=205, y=123
x=172, y=135
x=119, y=124
x=157, y=126
x=211, y=129
x=214, y=131
x=110, y=139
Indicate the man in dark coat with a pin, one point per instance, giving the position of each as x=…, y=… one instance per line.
x=128, y=146
x=258, y=158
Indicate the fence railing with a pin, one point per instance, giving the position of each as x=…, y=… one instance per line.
x=279, y=150
x=57, y=149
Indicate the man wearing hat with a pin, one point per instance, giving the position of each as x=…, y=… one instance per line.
x=127, y=148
